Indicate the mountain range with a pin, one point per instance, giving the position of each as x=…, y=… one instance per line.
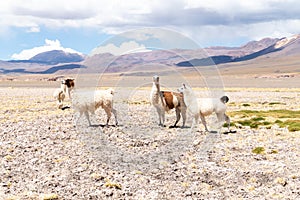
x=58, y=61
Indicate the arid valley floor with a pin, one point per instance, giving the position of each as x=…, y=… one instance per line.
x=43, y=156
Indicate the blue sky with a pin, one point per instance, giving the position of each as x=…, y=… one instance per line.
x=79, y=39
x=32, y=26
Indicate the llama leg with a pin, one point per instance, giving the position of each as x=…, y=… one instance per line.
x=108, y=113
x=177, y=110
x=86, y=113
x=220, y=117
x=163, y=117
x=227, y=119
x=183, y=113
x=223, y=117
x=69, y=93
x=77, y=117
x=203, y=122
x=195, y=121
x=60, y=103
x=159, y=115
x=114, y=111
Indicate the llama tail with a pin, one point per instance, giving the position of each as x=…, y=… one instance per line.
x=224, y=99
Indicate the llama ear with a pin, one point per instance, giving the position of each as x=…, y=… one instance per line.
x=183, y=85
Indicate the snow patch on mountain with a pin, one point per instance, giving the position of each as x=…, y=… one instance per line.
x=286, y=41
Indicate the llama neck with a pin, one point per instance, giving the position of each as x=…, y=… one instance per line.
x=155, y=87
x=190, y=99
x=63, y=87
x=156, y=92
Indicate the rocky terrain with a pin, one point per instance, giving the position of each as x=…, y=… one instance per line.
x=43, y=156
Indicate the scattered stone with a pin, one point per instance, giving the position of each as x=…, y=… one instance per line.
x=42, y=156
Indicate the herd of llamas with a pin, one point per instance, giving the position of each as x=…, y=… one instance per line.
x=86, y=102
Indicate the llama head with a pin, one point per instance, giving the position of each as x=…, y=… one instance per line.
x=156, y=79
x=184, y=89
x=69, y=82
x=111, y=91
x=224, y=99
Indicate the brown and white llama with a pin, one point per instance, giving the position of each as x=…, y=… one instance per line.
x=167, y=100
x=68, y=85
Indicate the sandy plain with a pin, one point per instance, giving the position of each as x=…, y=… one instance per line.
x=43, y=156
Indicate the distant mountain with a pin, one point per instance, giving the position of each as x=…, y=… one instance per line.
x=55, y=57
x=50, y=70
x=265, y=47
x=157, y=60
x=255, y=46
x=249, y=48
x=287, y=47
x=179, y=57
x=44, y=63
x=107, y=62
x=52, y=58
x=213, y=60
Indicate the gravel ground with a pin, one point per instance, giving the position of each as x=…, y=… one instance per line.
x=43, y=156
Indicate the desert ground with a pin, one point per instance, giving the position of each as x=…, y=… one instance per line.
x=44, y=156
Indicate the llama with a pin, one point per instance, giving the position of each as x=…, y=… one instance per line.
x=68, y=85
x=59, y=95
x=165, y=101
x=86, y=102
x=202, y=107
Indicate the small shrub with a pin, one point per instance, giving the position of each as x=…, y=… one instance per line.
x=266, y=123
x=268, y=113
x=258, y=150
x=8, y=157
x=274, y=151
x=231, y=124
x=249, y=122
x=275, y=103
x=283, y=116
x=113, y=185
x=291, y=118
x=258, y=119
x=110, y=184
x=281, y=181
x=50, y=197
x=245, y=104
x=245, y=122
x=293, y=125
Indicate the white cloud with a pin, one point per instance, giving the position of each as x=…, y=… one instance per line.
x=132, y=13
x=116, y=16
x=159, y=38
x=34, y=29
x=124, y=48
x=48, y=46
x=236, y=35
